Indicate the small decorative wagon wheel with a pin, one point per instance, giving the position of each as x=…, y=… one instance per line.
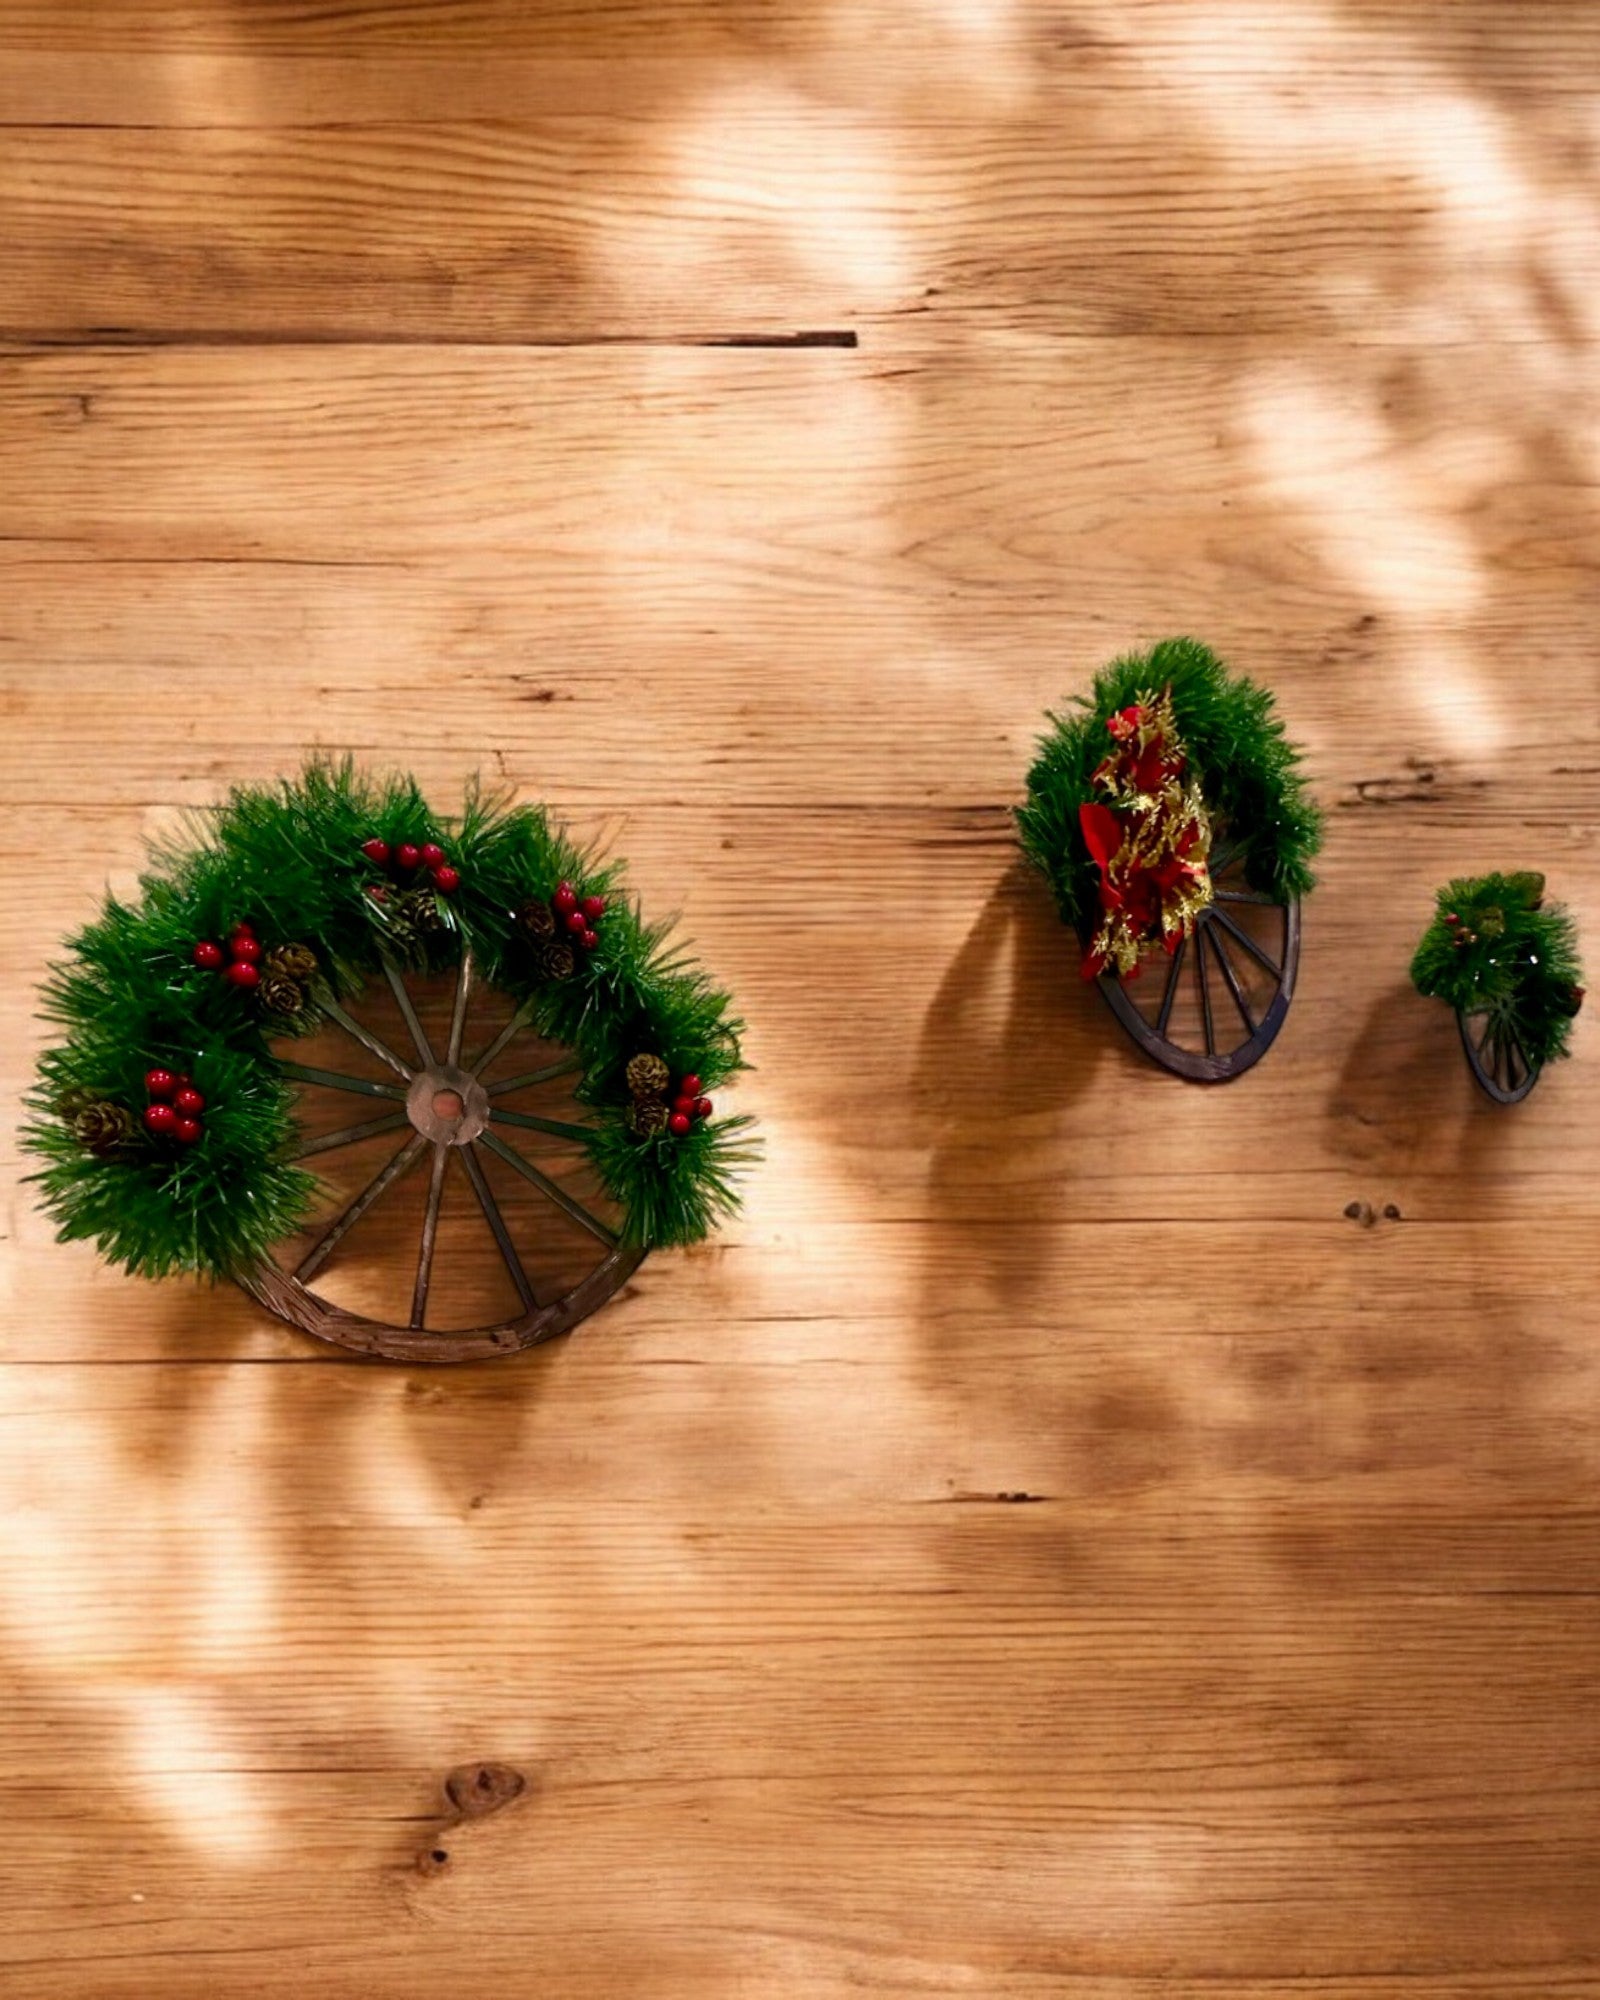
x=1169, y=817
x=182, y=1135
x=1507, y=962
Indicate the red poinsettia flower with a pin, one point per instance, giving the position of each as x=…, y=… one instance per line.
x=1147, y=840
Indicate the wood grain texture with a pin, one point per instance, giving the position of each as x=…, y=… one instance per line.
x=1074, y=1535
x=752, y=210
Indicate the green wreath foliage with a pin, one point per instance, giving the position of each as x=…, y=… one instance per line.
x=1247, y=769
x=1496, y=947
x=287, y=859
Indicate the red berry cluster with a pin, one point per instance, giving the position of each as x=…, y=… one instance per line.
x=687, y=1106
x=1461, y=936
x=175, y=1106
x=578, y=914
x=240, y=963
x=404, y=860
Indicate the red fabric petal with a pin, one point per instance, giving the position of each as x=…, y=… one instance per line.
x=1147, y=772
x=1101, y=833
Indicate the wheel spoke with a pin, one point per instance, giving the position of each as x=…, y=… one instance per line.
x=1171, y=992
x=556, y=1127
x=1244, y=896
x=1205, y=990
x=1489, y=1048
x=1238, y=932
x=352, y=1135
x=458, y=1013
x=1483, y=1046
x=1231, y=980
x=333, y=1079
x=430, y=1235
x=347, y=1218
x=366, y=1038
x=408, y=1013
x=546, y=1186
x=529, y=1077
x=497, y=1226
x=512, y=1028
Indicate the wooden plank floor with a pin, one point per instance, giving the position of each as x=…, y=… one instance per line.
x=1076, y=1535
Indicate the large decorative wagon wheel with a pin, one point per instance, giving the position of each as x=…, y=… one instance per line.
x=1170, y=819
x=1496, y=1058
x=1213, y=1009
x=331, y=940
x=451, y=1109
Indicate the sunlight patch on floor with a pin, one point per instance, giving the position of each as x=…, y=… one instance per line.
x=784, y=190
x=1375, y=518
x=174, y=1758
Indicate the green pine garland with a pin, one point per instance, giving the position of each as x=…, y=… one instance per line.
x=1496, y=947
x=288, y=861
x=1248, y=773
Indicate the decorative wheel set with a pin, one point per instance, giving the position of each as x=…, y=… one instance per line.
x=1167, y=813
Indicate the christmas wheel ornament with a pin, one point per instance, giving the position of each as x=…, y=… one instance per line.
x=184, y=1116
x=1507, y=962
x=1170, y=819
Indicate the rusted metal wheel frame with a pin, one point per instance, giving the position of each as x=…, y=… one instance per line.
x=1217, y=934
x=449, y=1110
x=1498, y=1062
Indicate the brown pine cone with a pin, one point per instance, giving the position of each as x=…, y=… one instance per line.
x=422, y=911
x=75, y=1099
x=648, y=1076
x=291, y=961
x=555, y=960
x=647, y=1116
x=281, y=996
x=102, y=1127
x=536, y=919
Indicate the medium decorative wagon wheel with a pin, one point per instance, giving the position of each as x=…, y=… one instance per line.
x=1170, y=820
x=450, y=1107
x=1496, y=1058
x=180, y=1134
x=1215, y=1007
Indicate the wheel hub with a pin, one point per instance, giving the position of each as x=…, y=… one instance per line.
x=447, y=1104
